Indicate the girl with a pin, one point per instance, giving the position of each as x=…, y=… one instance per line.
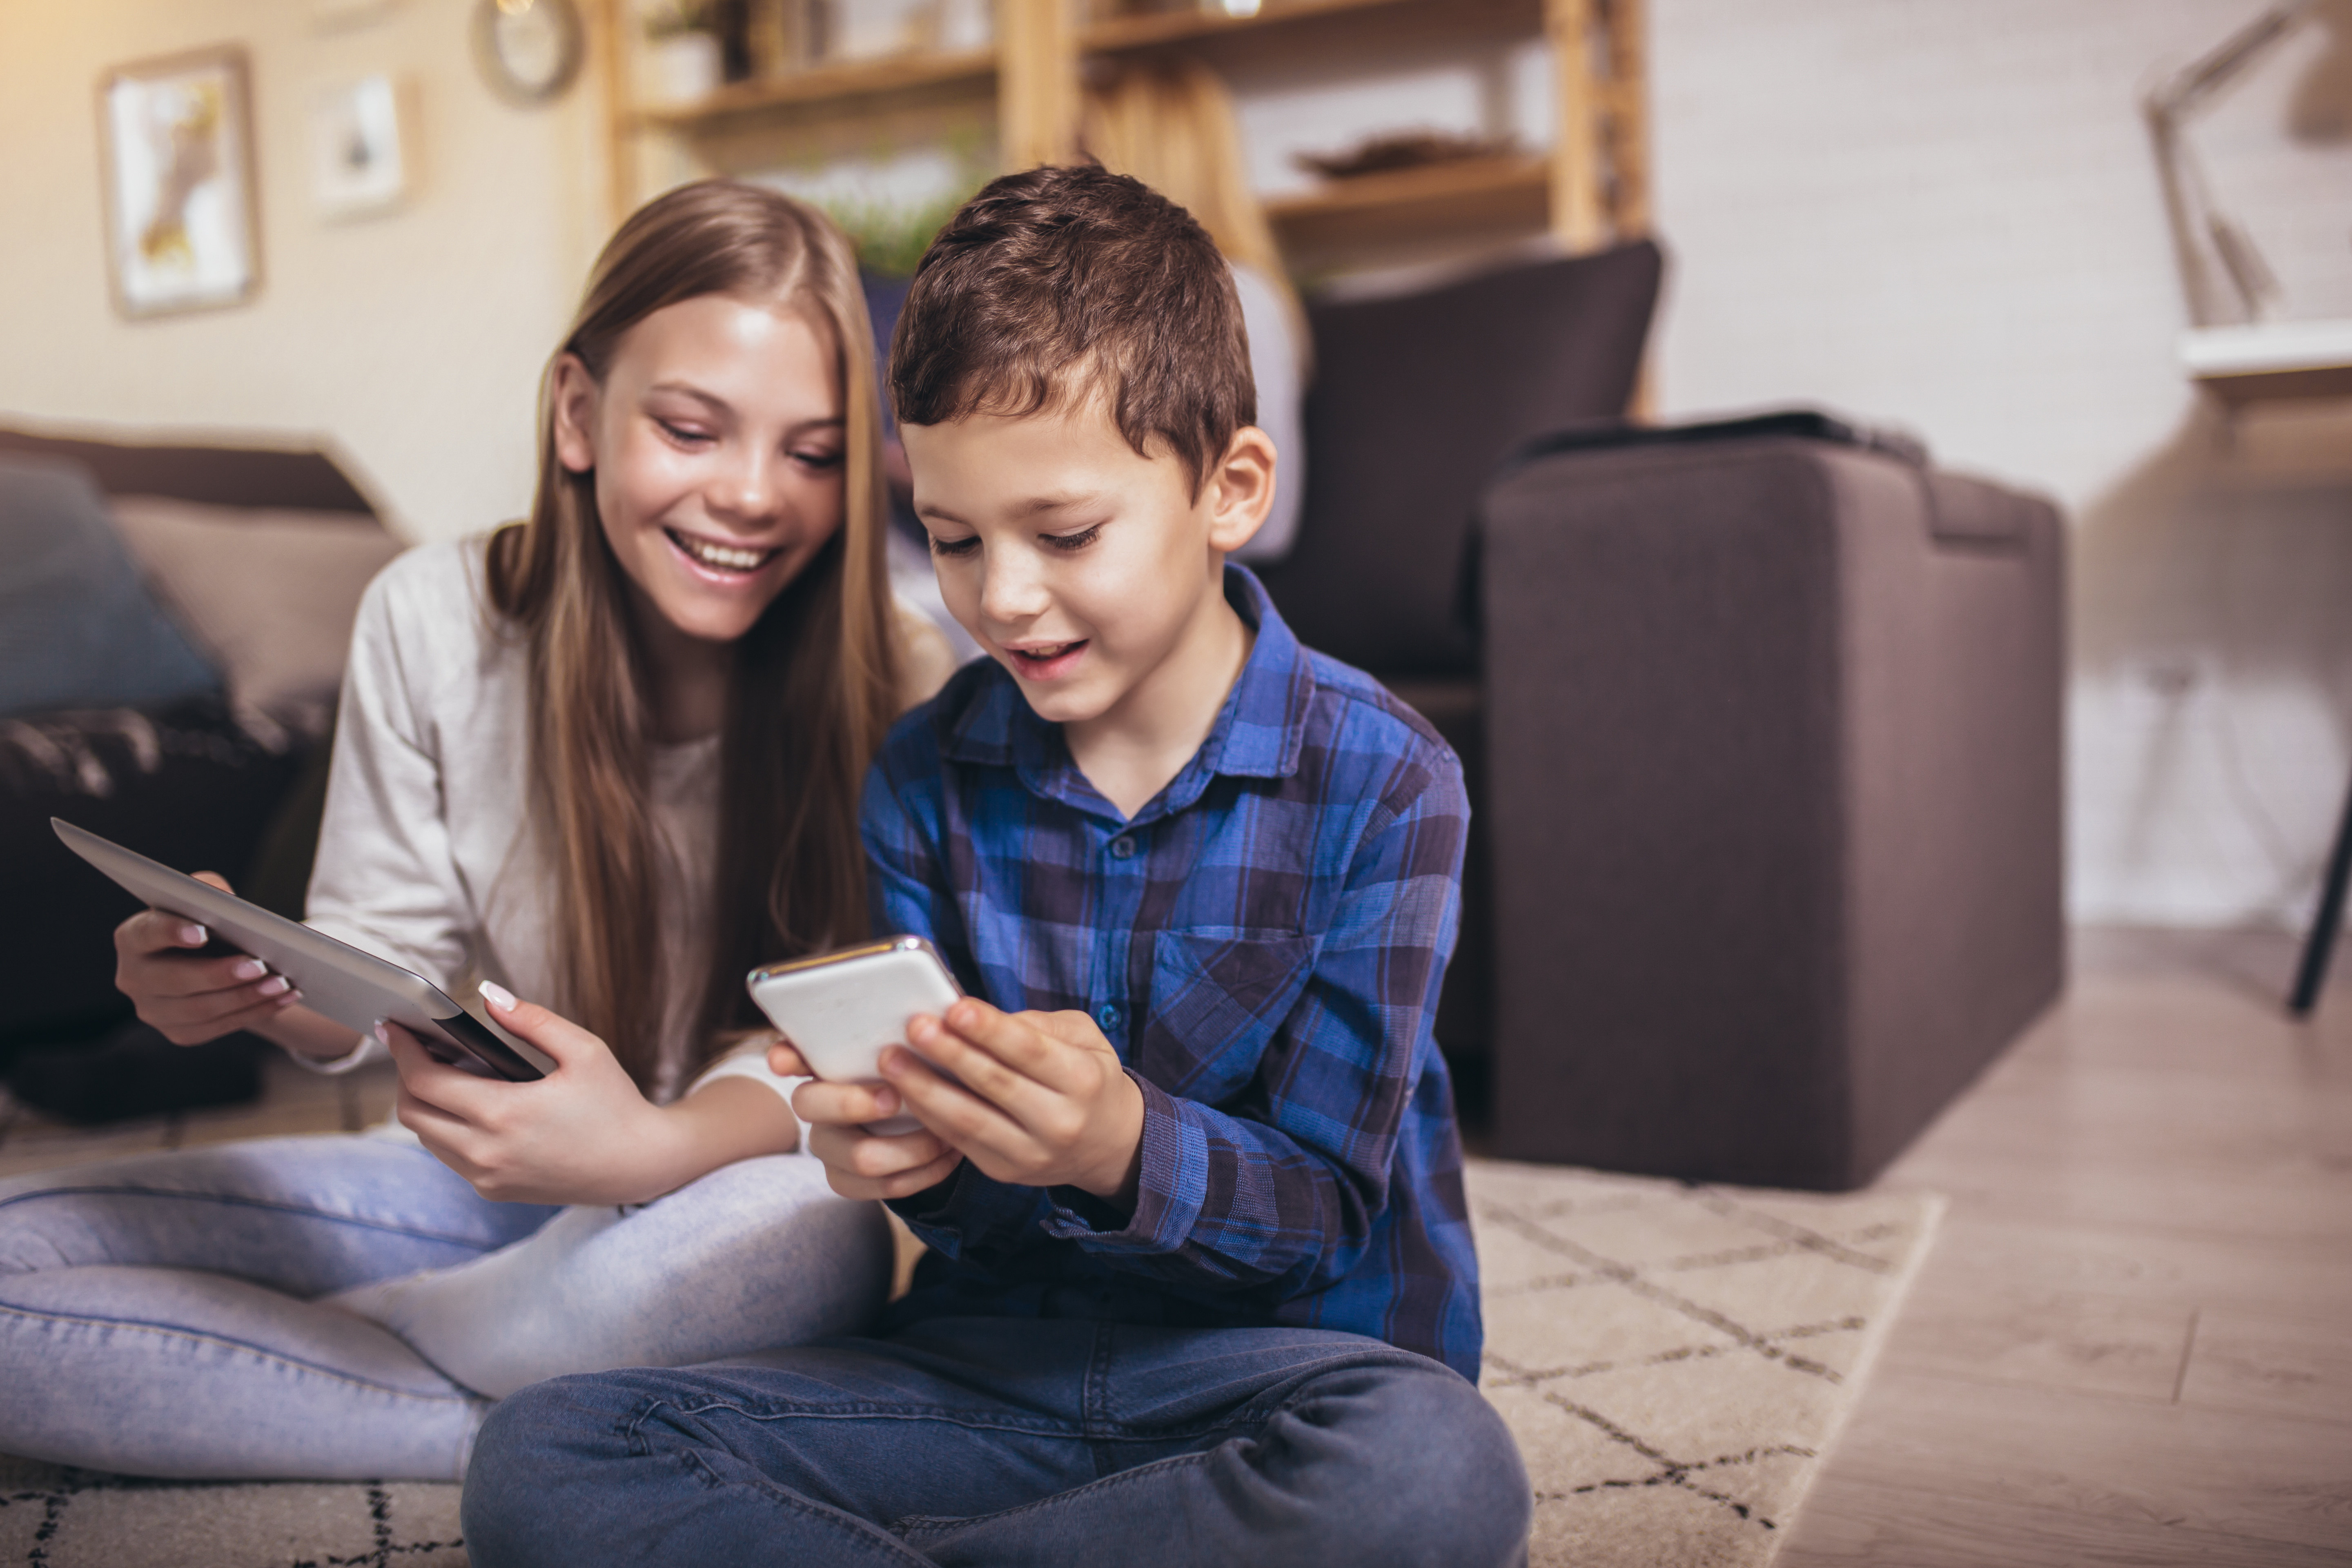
x=609, y=756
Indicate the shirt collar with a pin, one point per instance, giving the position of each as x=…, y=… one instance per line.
x=1259, y=731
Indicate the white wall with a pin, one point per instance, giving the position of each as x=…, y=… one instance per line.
x=412, y=339
x=1945, y=213
x=1937, y=212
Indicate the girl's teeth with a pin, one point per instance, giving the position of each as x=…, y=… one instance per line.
x=720, y=555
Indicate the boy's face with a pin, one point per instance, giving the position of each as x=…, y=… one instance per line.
x=1090, y=572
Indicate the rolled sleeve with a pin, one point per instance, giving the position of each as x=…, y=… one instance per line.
x=1172, y=1185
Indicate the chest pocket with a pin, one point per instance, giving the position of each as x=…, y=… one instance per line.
x=1217, y=998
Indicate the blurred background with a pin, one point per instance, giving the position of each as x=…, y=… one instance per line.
x=1948, y=215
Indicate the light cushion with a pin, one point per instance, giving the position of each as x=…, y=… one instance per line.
x=77, y=628
x=269, y=593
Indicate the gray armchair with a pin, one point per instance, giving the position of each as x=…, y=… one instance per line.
x=1774, y=779
x=1761, y=731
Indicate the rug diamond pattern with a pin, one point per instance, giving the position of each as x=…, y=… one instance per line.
x=1675, y=1359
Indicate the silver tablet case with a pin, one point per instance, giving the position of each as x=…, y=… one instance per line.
x=353, y=988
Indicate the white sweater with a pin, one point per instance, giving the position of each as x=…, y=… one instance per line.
x=423, y=855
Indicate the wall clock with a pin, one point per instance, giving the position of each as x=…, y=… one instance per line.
x=529, y=50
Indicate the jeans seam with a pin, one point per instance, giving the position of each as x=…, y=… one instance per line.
x=805, y=1508
x=1075, y=1432
x=915, y=1524
x=417, y=1232
x=1094, y=1414
x=1263, y=1408
x=1287, y=1394
x=167, y=1331
x=872, y=1410
x=1096, y=1406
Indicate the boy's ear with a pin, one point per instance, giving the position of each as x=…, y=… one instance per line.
x=1240, y=490
x=572, y=401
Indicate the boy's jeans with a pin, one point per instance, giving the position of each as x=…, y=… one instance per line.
x=1012, y=1441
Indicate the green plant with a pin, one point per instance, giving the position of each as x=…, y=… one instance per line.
x=670, y=19
x=891, y=238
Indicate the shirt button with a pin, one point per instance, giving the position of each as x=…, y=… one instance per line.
x=1122, y=847
x=1108, y=1016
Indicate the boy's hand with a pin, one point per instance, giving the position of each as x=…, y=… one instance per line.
x=1043, y=1100
x=857, y=1164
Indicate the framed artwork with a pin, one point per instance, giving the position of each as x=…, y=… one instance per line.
x=177, y=137
x=357, y=163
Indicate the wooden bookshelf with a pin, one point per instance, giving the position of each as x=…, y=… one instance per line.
x=1468, y=195
x=1589, y=190
x=840, y=85
x=1160, y=29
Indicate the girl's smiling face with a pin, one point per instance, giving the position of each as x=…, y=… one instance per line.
x=717, y=441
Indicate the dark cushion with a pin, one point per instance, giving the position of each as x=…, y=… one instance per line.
x=184, y=784
x=224, y=476
x=1415, y=399
x=78, y=627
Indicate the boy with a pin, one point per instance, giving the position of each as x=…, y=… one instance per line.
x=1199, y=1286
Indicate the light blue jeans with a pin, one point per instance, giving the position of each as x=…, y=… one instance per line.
x=338, y=1307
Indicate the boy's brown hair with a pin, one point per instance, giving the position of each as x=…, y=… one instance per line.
x=1067, y=281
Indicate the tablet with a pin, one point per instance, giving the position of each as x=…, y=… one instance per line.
x=338, y=980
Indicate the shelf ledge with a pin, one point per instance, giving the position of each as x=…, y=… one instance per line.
x=1410, y=187
x=823, y=84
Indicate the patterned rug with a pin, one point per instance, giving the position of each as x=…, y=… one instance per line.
x=1674, y=1361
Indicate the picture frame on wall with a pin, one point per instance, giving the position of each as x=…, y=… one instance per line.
x=176, y=140
x=359, y=162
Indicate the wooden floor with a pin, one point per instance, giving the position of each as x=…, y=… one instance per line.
x=293, y=1100
x=2132, y=1343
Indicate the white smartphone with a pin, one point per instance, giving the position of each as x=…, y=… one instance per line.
x=839, y=1009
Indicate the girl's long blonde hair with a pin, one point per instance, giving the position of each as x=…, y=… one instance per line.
x=1169, y=123
x=815, y=680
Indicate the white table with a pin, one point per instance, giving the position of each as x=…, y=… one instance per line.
x=2274, y=361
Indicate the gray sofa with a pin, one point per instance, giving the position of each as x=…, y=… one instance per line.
x=270, y=545
x=1774, y=773
x=1761, y=729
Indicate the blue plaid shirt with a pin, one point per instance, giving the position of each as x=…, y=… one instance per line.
x=1262, y=943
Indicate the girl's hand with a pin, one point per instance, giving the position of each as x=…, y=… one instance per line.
x=189, y=1000
x=583, y=1135
x=857, y=1164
